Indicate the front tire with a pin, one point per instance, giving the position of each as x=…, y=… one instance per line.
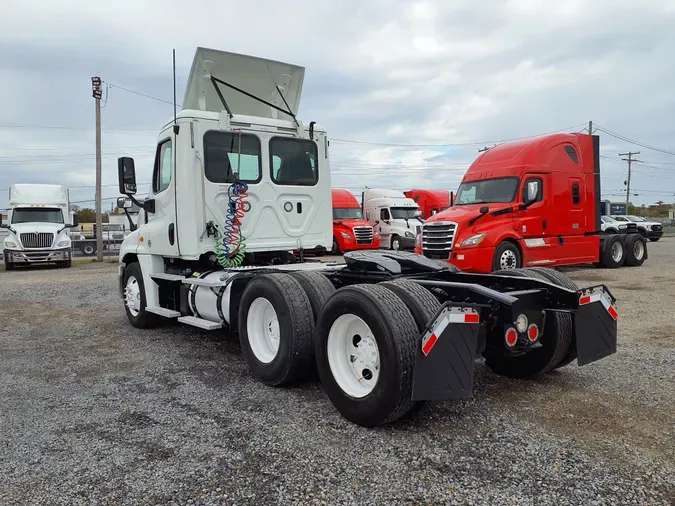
x=365, y=354
x=507, y=257
x=134, y=298
x=654, y=239
x=395, y=243
x=88, y=249
x=336, y=247
x=275, y=329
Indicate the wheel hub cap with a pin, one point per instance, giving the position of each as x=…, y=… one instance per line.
x=262, y=327
x=507, y=260
x=353, y=355
x=132, y=296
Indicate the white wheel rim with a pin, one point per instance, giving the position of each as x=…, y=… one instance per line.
x=638, y=250
x=132, y=296
x=395, y=244
x=507, y=260
x=617, y=252
x=262, y=326
x=353, y=355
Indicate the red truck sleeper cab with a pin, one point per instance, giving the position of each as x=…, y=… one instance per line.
x=528, y=203
x=430, y=201
x=350, y=231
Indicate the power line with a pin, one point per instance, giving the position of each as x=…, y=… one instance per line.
x=141, y=94
x=633, y=141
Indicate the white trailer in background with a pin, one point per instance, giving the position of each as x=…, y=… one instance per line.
x=38, y=225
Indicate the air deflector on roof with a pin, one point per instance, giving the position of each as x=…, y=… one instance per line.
x=243, y=84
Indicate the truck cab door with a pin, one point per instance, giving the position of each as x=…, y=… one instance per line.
x=384, y=226
x=161, y=237
x=533, y=220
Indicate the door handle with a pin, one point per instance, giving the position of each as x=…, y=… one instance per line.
x=299, y=207
x=172, y=234
x=543, y=224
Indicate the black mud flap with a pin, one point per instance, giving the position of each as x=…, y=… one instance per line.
x=595, y=325
x=444, y=363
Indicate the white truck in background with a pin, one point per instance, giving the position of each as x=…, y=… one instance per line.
x=397, y=218
x=38, y=225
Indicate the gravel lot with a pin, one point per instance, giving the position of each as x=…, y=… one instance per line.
x=95, y=412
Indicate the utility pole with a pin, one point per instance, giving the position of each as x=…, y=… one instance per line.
x=590, y=128
x=630, y=160
x=97, y=94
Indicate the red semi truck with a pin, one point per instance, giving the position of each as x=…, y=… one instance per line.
x=350, y=231
x=528, y=203
x=431, y=201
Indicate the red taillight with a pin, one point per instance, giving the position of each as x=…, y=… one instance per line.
x=533, y=332
x=511, y=337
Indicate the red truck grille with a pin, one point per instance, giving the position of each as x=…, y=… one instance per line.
x=437, y=239
x=41, y=240
x=363, y=235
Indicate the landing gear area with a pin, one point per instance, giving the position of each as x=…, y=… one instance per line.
x=386, y=331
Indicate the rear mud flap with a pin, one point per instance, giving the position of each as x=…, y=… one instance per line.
x=444, y=364
x=595, y=325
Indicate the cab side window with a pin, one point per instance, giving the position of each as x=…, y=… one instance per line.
x=384, y=214
x=161, y=178
x=293, y=161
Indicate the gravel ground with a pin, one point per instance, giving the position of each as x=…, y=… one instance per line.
x=95, y=412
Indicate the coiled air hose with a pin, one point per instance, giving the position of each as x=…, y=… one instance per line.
x=231, y=246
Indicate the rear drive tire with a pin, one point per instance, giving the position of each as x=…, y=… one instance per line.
x=613, y=253
x=555, y=344
x=88, y=249
x=422, y=305
x=636, y=250
x=134, y=298
x=563, y=280
x=317, y=287
x=371, y=323
x=507, y=257
x=275, y=329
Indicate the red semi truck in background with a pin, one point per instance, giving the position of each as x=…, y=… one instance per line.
x=350, y=231
x=431, y=201
x=533, y=202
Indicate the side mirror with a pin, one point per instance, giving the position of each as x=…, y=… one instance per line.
x=377, y=222
x=532, y=191
x=126, y=173
x=2, y=225
x=124, y=203
x=75, y=221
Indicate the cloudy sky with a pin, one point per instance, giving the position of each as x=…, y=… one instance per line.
x=409, y=91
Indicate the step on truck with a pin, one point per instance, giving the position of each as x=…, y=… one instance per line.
x=39, y=222
x=239, y=182
x=530, y=203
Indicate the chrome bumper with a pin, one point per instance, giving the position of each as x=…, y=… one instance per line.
x=36, y=256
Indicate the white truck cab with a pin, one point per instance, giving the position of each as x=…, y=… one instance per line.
x=38, y=224
x=397, y=218
x=237, y=179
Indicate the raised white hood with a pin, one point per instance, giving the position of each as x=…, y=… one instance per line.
x=256, y=76
x=33, y=194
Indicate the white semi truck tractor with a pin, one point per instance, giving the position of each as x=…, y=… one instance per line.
x=38, y=223
x=239, y=183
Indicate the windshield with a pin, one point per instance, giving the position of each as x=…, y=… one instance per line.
x=636, y=218
x=403, y=213
x=487, y=190
x=39, y=215
x=347, y=213
x=607, y=219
